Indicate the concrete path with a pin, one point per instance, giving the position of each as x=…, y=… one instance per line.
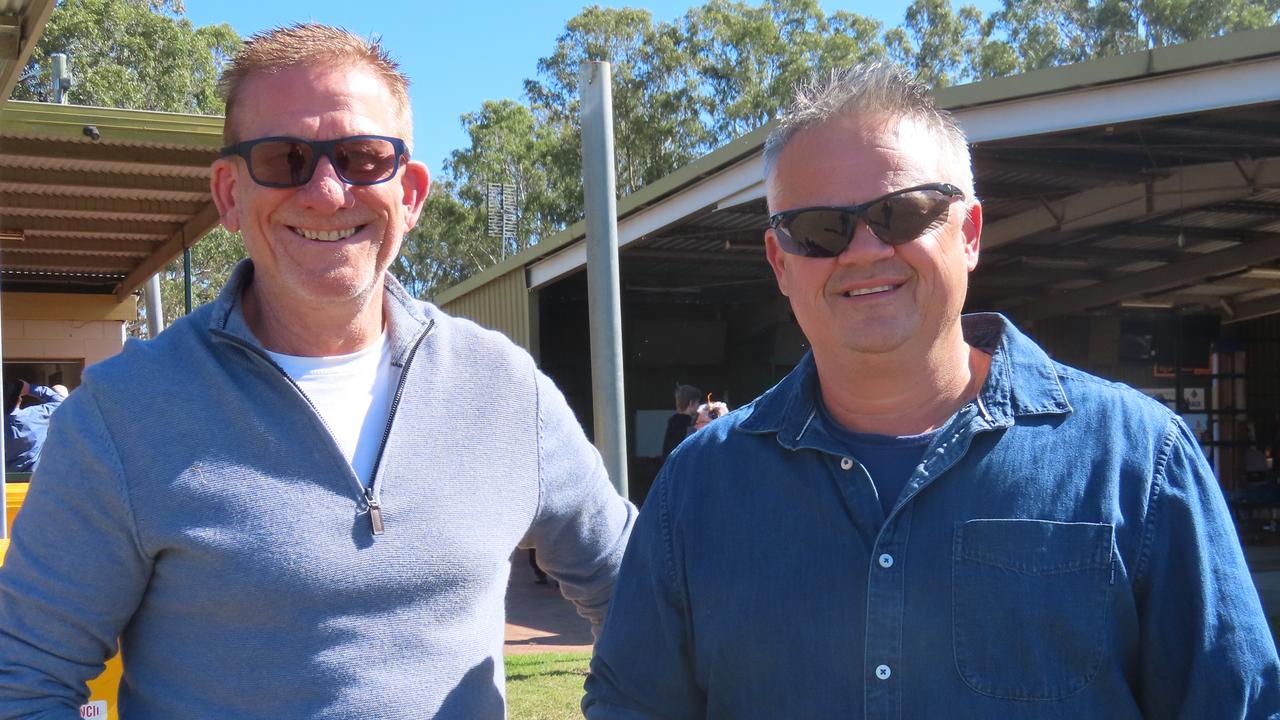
x=539, y=619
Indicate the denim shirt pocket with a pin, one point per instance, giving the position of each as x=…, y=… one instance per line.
x=1030, y=605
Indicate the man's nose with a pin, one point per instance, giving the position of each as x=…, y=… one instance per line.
x=865, y=248
x=325, y=189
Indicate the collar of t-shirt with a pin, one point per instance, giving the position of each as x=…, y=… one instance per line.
x=352, y=393
x=888, y=459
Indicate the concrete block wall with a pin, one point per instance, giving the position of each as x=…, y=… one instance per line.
x=89, y=341
x=63, y=327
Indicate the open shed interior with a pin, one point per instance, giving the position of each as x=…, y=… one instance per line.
x=1145, y=252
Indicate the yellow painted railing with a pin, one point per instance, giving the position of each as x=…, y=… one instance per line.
x=102, y=690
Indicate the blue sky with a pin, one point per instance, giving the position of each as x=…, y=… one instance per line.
x=459, y=54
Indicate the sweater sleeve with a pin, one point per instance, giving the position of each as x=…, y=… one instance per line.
x=75, y=570
x=582, y=524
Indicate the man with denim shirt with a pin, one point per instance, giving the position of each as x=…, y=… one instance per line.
x=25, y=427
x=928, y=517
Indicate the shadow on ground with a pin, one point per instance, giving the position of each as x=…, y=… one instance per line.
x=539, y=619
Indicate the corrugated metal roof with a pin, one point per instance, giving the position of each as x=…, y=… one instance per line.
x=100, y=215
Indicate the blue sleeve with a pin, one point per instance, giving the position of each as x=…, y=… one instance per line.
x=582, y=524
x=74, y=574
x=1206, y=648
x=45, y=394
x=643, y=667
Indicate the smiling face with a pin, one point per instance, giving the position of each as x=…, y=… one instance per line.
x=873, y=298
x=323, y=246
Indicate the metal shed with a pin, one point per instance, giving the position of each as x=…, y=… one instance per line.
x=1127, y=197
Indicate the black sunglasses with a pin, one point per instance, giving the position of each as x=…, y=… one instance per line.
x=896, y=218
x=285, y=162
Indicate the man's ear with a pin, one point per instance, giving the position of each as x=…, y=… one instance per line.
x=415, y=182
x=777, y=259
x=971, y=230
x=222, y=185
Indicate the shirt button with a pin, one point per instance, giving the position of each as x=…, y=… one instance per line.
x=883, y=672
x=886, y=561
x=846, y=463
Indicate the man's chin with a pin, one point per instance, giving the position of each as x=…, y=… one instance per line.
x=331, y=290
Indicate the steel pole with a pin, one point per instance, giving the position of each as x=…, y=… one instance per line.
x=186, y=280
x=155, y=313
x=4, y=479
x=603, y=295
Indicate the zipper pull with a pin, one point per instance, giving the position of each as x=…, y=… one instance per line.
x=375, y=512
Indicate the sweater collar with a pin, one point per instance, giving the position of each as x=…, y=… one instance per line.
x=406, y=319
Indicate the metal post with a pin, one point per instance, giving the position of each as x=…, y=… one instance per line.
x=603, y=295
x=186, y=280
x=155, y=313
x=4, y=473
x=61, y=78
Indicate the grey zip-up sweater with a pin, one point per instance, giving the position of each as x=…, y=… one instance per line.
x=191, y=502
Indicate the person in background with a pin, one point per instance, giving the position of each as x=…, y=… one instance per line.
x=25, y=425
x=708, y=411
x=302, y=500
x=680, y=424
x=929, y=517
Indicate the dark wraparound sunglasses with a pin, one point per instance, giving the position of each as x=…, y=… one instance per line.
x=285, y=162
x=896, y=218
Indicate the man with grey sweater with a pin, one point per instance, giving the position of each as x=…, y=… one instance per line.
x=281, y=507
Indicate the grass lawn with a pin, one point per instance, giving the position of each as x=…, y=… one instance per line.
x=546, y=686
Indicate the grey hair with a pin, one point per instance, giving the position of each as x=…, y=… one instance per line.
x=877, y=91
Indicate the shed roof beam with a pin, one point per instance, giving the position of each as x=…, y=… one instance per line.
x=739, y=257
x=10, y=37
x=81, y=151
x=79, y=190
x=186, y=236
x=54, y=182
x=11, y=201
x=1160, y=279
x=1039, y=166
x=12, y=162
x=35, y=13
x=697, y=199
x=74, y=214
x=11, y=222
x=1185, y=189
x=46, y=235
x=78, y=246
x=1221, y=86
x=1253, y=309
x=61, y=262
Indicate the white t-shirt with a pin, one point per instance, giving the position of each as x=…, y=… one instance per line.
x=353, y=395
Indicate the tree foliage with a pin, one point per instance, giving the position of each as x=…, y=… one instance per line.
x=724, y=68
x=138, y=54
x=211, y=262
x=680, y=88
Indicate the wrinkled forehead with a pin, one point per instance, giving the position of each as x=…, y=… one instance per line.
x=272, y=101
x=852, y=156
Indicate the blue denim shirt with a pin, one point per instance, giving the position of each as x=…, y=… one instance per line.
x=1063, y=551
x=26, y=427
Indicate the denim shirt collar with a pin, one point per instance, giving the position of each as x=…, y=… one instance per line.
x=1022, y=381
x=406, y=319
